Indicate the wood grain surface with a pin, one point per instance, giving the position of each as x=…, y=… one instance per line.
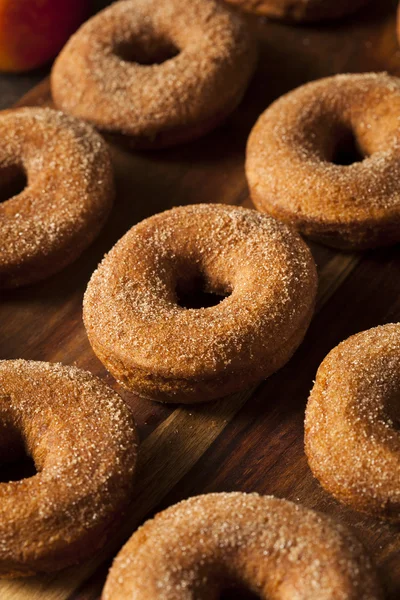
x=252, y=441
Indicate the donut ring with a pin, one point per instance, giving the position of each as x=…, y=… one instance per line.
x=352, y=437
x=293, y=148
x=67, y=198
x=301, y=11
x=207, y=545
x=161, y=73
x=82, y=438
x=162, y=351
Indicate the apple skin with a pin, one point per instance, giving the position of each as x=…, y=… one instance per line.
x=32, y=32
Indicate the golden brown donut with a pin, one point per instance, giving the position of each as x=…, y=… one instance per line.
x=352, y=437
x=83, y=441
x=300, y=150
x=69, y=191
x=142, y=332
x=211, y=544
x=300, y=10
x=161, y=73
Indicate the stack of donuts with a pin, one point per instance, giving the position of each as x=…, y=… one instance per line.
x=322, y=161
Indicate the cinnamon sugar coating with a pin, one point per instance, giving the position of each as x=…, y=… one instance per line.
x=300, y=10
x=352, y=437
x=159, y=72
x=83, y=441
x=297, y=157
x=163, y=351
x=67, y=198
x=276, y=549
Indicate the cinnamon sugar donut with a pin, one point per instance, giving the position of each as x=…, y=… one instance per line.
x=66, y=168
x=326, y=158
x=161, y=73
x=82, y=439
x=300, y=10
x=140, y=329
x=352, y=435
x=211, y=544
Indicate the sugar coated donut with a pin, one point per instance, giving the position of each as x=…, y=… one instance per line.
x=159, y=72
x=160, y=349
x=209, y=545
x=326, y=158
x=352, y=425
x=300, y=10
x=66, y=169
x=82, y=439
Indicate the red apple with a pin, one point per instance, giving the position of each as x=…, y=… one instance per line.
x=32, y=32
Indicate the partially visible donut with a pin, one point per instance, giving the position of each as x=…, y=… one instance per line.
x=83, y=441
x=326, y=158
x=159, y=72
x=300, y=10
x=352, y=437
x=66, y=168
x=159, y=349
x=208, y=545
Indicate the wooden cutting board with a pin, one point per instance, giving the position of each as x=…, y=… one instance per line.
x=252, y=441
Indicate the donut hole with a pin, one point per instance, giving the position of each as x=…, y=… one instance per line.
x=13, y=181
x=22, y=468
x=346, y=150
x=149, y=50
x=195, y=292
x=392, y=410
x=15, y=461
x=235, y=592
